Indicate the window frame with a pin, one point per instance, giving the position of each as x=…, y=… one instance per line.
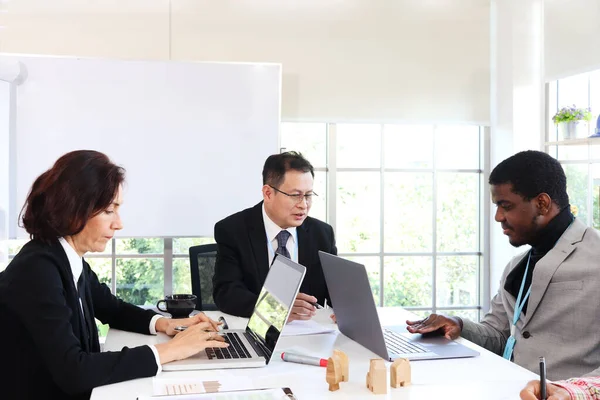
x=552, y=147
x=483, y=285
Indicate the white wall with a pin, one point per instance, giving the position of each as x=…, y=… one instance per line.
x=378, y=60
x=572, y=37
x=131, y=29
x=4, y=170
x=517, y=100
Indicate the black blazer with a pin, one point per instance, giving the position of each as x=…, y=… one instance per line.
x=45, y=350
x=243, y=261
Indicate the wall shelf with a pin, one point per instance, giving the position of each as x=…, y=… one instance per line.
x=576, y=142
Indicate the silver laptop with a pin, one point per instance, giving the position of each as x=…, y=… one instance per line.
x=254, y=346
x=357, y=317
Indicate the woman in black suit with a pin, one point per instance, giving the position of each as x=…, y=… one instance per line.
x=49, y=296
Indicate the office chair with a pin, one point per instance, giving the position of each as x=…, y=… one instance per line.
x=202, y=269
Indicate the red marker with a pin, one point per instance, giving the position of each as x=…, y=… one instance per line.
x=297, y=358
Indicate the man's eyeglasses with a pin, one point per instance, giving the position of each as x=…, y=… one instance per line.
x=297, y=198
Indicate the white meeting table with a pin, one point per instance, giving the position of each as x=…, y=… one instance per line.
x=487, y=377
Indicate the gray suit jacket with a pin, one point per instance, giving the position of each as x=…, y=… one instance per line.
x=563, y=313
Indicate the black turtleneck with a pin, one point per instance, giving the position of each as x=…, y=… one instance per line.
x=542, y=244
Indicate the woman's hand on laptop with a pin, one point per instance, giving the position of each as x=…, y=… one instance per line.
x=189, y=342
x=450, y=327
x=167, y=325
x=303, y=308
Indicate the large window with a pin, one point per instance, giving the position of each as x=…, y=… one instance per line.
x=580, y=157
x=404, y=200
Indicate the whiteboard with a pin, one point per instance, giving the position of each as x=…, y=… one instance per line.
x=193, y=137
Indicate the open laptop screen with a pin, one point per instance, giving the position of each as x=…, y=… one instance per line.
x=275, y=300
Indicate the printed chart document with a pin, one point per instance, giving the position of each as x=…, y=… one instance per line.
x=254, y=394
x=310, y=327
x=206, y=384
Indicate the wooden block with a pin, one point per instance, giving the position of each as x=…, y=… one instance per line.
x=400, y=373
x=343, y=363
x=334, y=373
x=377, y=377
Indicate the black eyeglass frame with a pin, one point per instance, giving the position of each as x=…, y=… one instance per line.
x=296, y=197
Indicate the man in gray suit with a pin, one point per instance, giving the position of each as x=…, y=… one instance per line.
x=549, y=297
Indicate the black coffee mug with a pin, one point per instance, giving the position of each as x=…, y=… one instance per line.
x=179, y=305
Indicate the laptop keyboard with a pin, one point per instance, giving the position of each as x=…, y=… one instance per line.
x=399, y=344
x=236, y=349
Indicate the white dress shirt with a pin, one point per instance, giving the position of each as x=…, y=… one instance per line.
x=272, y=230
x=76, y=264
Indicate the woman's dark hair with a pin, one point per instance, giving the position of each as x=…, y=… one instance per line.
x=79, y=185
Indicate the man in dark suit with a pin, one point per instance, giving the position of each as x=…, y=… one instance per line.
x=248, y=240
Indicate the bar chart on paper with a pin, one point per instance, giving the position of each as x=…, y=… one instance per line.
x=212, y=384
x=255, y=394
x=193, y=388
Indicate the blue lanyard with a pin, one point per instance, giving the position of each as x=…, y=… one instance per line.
x=519, y=304
x=510, y=343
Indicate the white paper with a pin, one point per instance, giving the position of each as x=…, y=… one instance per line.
x=310, y=327
x=206, y=384
x=256, y=394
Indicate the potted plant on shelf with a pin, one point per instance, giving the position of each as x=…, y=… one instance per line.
x=573, y=122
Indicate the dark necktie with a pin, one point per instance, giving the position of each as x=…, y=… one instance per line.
x=282, y=238
x=81, y=290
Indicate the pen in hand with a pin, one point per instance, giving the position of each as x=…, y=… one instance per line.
x=543, y=394
x=317, y=306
